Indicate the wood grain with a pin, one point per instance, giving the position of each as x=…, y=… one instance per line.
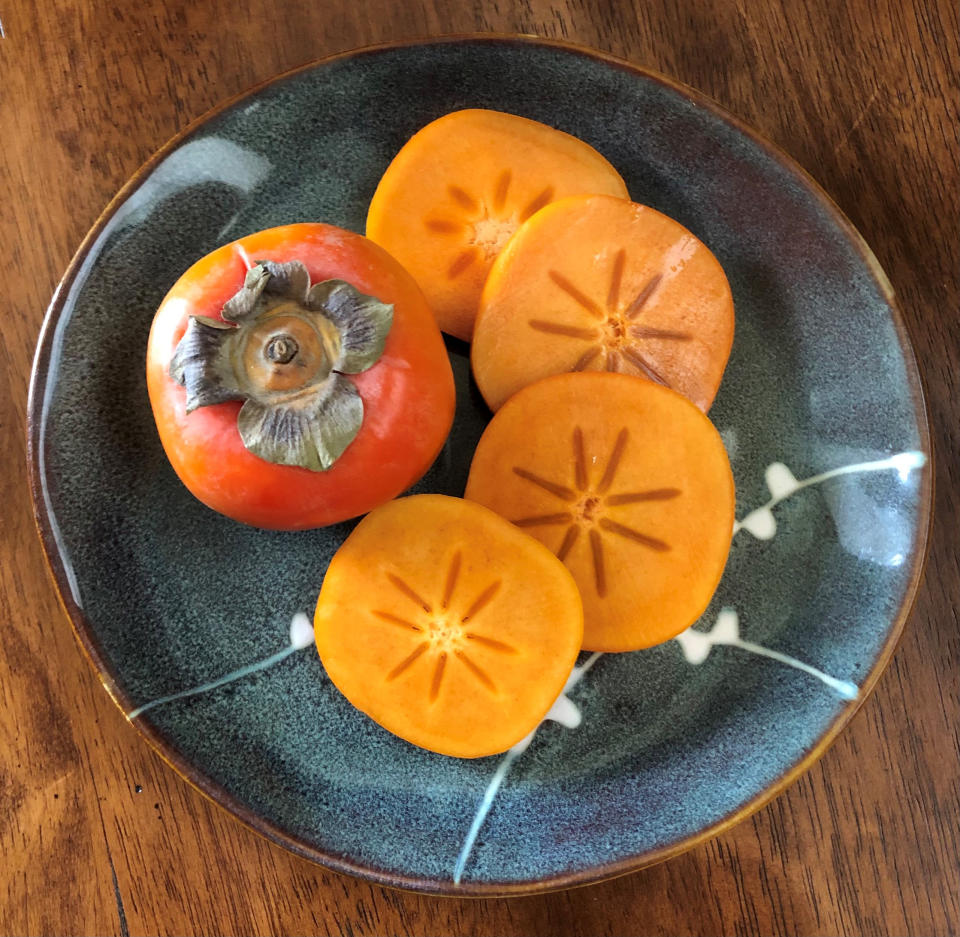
x=99, y=836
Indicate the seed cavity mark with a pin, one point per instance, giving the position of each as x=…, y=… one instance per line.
x=491, y=643
x=463, y=198
x=613, y=361
x=438, y=672
x=442, y=226
x=481, y=602
x=452, y=573
x=581, y=298
x=396, y=620
x=542, y=519
x=461, y=262
x=643, y=365
x=614, y=462
x=409, y=592
x=537, y=202
x=579, y=459
x=500, y=192
x=616, y=278
x=556, y=328
x=561, y=491
x=634, y=497
x=407, y=662
x=569, y=539
x=636, y=307
x=635, y=535
x=599, y=574
x=642, y=331
x=585, y=359
x=477, y=671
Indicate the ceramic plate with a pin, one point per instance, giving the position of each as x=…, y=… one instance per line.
x=196, y=623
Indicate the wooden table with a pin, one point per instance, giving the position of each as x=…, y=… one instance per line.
x=99, y=836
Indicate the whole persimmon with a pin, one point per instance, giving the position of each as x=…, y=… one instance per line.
x=298, y=378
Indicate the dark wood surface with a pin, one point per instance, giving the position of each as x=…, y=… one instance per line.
x=98, y=835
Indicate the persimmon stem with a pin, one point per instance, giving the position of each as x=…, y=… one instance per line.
x=281, y=349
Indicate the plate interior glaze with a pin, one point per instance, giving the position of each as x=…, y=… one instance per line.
x=820, y=410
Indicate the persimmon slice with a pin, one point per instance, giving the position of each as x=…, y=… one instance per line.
x=598, y=283
x=448, y=626
x=461, y=186
x=629, y=484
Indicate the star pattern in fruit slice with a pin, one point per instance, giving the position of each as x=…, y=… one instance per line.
x=617, y=337
x=484, y=223
x=589, y=506
x=443, y=628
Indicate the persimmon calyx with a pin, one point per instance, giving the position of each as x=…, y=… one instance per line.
x=283, y=349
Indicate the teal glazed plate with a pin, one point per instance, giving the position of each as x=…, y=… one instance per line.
x=199, y=626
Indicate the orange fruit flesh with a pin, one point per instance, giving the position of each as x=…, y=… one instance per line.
x=598, y=283
x=447, y=625
x=461, y=186
x=629, y=484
